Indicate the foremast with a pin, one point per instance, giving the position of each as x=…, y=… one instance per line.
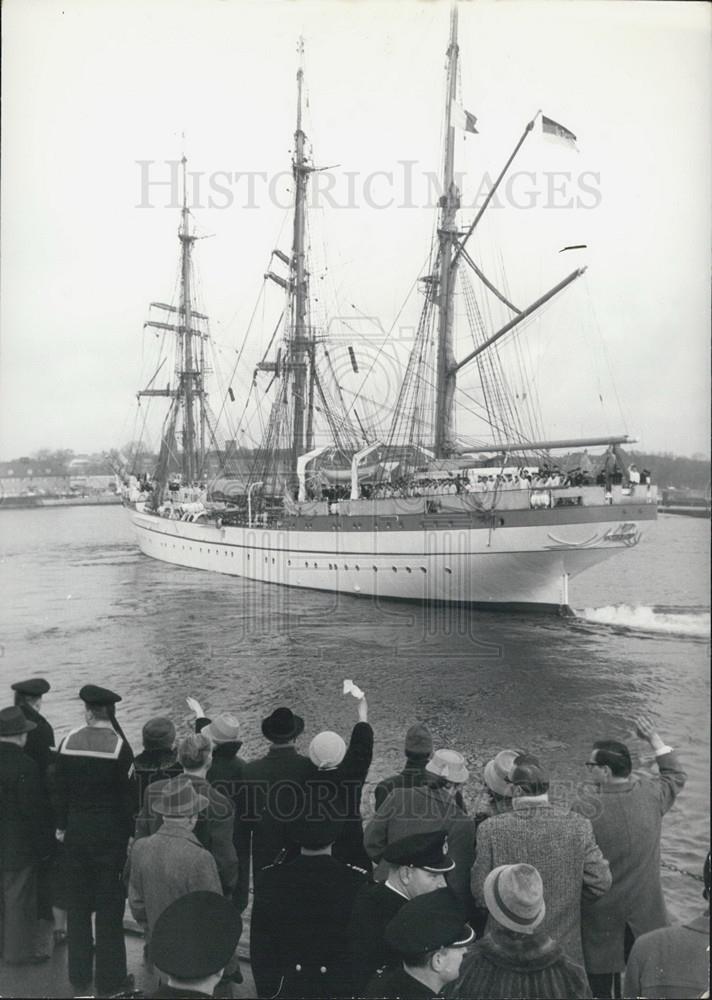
x=447, y=236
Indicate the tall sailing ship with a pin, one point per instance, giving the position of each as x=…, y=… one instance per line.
x=413, y=513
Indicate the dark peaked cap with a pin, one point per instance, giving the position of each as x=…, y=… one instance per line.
x=428, y=922
x=195, y=935
x=91, y=694
x=35, y=687
x=421, y=850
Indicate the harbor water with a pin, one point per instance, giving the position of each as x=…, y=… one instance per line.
x=81, y=604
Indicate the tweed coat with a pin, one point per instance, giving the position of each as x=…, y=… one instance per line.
x=562, y=847
x=423, y=809
x=627, y=820
x=670, y=961
x=168, y=864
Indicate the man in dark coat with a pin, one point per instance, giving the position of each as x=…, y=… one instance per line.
x=272, y=792
x=416, y=865
x=418, y=751
x=95, y=804
x=40, y=746
x=25, y=839
x=335, y=781
x=431, y=937
x=300, y=919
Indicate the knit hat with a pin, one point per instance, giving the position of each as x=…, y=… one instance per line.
x=448, y=764
x=327, y=750
x=224, y=728
x=514, y=896
x=159, y=734
x=418, y=740
x=497, y=772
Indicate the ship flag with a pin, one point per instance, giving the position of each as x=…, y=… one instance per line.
x=559, y=133
x=462, y=119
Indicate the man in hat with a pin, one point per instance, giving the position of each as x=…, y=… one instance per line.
x=418, y=751
x=415, y=865
x=516, y=957
x=627, y=818
x=299, y=940
x=431, y=937
x=271, y=793
x=427, y=808
x=214, y=828
x=673, y=961
x=335, y=783
x=25, y=839
x=558, y=843
x=171, y=862
x=95, y=804
x=40, y=747
x=193, y=940
x=40, y=740
x=158, y=760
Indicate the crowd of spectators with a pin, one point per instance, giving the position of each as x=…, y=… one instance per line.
x=520, y=897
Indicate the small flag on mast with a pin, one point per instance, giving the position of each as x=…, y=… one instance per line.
x=462, y=119
x=559, y=133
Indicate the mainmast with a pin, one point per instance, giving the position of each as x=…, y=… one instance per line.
x=447, y=234
x=188, y=374
x=300, y=351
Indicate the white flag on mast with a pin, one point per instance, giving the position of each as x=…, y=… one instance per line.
x=559, y=133
x=462, y=119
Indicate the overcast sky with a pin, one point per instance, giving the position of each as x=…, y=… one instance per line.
x=98, y=93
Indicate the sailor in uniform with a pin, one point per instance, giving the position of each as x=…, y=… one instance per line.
x=40, y=741
x=40, y=747
x=430, y=935
x=300, y=918
x=416, y=865
x=95, y=805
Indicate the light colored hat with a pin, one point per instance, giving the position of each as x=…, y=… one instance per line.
x=224, y=728
x=514, y=895
x=327, y=750
x=497, y=772
x=448, y=764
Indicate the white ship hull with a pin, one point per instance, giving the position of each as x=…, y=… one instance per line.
x=525, y=564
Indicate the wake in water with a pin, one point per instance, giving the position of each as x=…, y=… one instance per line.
x=666, y=621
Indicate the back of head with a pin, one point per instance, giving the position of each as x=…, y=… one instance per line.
x=194, y=752
x=159, y=734
x=418, y=743
x=615, y=755
x=529, y=776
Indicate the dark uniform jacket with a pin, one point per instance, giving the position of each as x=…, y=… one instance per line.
x=40, y=741
x=397, y=984
x=299, y=927
x=26, y=834
x=374, y=907
x=95, y=789
x=269, y=799
x=337, y=792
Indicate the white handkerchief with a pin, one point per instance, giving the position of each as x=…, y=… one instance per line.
x=351, y=688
